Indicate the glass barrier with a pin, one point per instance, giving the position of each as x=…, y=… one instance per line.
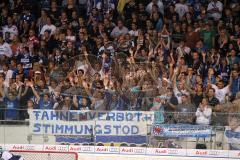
x=151, y=129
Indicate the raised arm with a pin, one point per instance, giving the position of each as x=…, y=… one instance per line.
x=75, y=103
x=19, y=93
x=150, y=53
x=30, y=84
x=204, y=57
x=2, y=94
x=131, y=58
x=174, y=78
x=136, y=52
x=103, y=60
x=166, y=45
x=25, y=91
x=230, y=81
x=158, y=44
x=5, y=92
x=189, y=89
x=218, y=59
x=87, y=60
x=171, y=68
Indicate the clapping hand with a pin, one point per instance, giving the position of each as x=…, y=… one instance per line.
x=138, y=46
x=201, y=108
x=29, y=84
x=204, y=54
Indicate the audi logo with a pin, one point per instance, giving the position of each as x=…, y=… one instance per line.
x=214, y=153
x=113, y=150
x=172, y=151
x=86, y=149
x=139, y=151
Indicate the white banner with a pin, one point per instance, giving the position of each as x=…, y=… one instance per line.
x=120, y=123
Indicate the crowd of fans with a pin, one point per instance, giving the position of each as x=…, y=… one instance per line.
x=162, y=55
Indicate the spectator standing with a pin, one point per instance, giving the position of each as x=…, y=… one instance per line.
x=181, y=8
x=10, y=28
x=120, y=29
x=48, y=27
x=203, y=113
x=5, y=49
x=159, y=5
x=185, y=111
x=214, y=9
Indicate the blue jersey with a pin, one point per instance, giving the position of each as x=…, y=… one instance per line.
x=16, y=157
x=11, y=108
x=26, y=60
x=45, y=105
x=80, y=102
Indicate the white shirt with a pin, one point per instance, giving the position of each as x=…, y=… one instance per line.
x=5, y=50
x=160, y=7
x=103, y=48
x=217, y=5
x=111, y=6
x=182, y=51
x=204, y=117
x=6, y=155
x=179, y=94
x=46, y=27
x=133, y=33
x=71, y=38
x=181, y=9
x=220, y=93
x=8, y=76
x=83, y=67
x=117, y=31
x=11, y=29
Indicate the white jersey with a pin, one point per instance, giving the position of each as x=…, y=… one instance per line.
x=181, y=9
x=9, y=156
x=5, y=50
x=46, y=27
x=221, y=93
x=11, y=29
x=218, y=5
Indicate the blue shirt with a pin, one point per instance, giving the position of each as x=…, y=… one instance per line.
x=26, y=60
x=205, y=82
x=25, y=73
x=11, y=108
x=45, y=105
x=235, y=85
x=118, y=104
x=80, y=105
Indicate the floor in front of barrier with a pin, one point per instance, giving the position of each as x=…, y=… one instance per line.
x=138, y=157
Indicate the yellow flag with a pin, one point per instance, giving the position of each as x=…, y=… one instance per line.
x=121, y=4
